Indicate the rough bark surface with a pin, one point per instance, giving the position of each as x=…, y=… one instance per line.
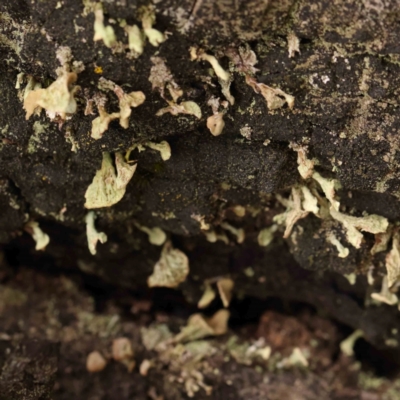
x=345, y=79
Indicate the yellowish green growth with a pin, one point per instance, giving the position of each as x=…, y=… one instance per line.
x=57, y=99
x=101, y=123
x=352, y=278
x=224, y=77
x=126, y=101
x=101, y=32
x=156, y=235
x=154, y=36
x=108, y=186
x=393, y=262
x=347, y=345
x=275, y=98
x=213, y=237
x=381, y=241
x=163, y=147
x=343, y=251
x=186, y=107
x=199, y=327
x=208, y=296
x=240, y=211
x=92, y=235
x=171, y=269
x=306, y=166
x=328, y=186
x=135, y=38
x=204, y=226
x=266, y=235
x=238, y=232
x=216, y=123
x=310, y=202
x=385, y=295
x=297, y=358
x=41, y=238
x=293, y=44
x=225, y=287
x=294, y=212
x=353, y=225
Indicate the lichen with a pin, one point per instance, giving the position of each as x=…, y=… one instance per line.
x=347, y=345
x=266, y=235
x=225, y=287
x=156, y=235
x=154, y=36
x=393, y=262
x=92, y=235
x=41, y=238
x=224, y=77
x=199, y=327
x=171, y=269
x=207, y=297
x=385, y=295
x=57, y=99
x=343, y=252
x=101, y=32
x=275, y=97
x=293, y=44
x=353, y=225
x=108, y=186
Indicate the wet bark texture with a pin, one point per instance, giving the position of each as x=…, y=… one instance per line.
x=346, y=84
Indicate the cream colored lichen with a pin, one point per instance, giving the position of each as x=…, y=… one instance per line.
x=238, y=232
x=216, y=123
x=163, y=147
x=199, y=327
x=126, y=102
x=212, y=236
x=329, y=187
x=171, y=269
x=154, y=36
x=109, y=186
x=101, y=32
x=393, y=262
x=224, y=77
x=156, y=235
x=225, y=287
x=57, y=99
x=353, y=225
x=41, y=239
x=381, y=241
x=185, y=107
x=266, y=235
x=343, y=252
x=100, y=124
x=305, y=165
x=385, y=295
x=347, y=345
x=275, y=98
x=204, y=226
x=207, y=297
x=293, y=44
x=294, y=212
x=310, y=202
x=135, y=39
x=92, y=235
